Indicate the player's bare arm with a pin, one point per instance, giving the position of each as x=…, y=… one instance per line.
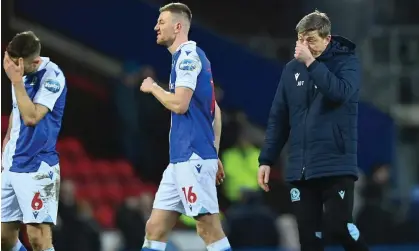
x=31, y=113
x=177, y=102
x=217, y=133
x=217, y=126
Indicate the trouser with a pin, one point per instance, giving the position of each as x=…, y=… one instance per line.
x=325, y=205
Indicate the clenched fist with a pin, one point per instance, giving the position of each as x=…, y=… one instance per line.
x=147, y=85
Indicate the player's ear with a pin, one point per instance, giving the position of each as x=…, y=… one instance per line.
x=328, y=38
x=178, y=27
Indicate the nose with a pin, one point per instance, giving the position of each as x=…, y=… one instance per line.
x=156, y=28
x=305, y=42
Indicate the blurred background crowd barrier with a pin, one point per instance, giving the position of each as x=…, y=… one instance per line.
x=114, y=140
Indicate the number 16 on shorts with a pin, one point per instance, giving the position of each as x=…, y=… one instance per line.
x=190, y=196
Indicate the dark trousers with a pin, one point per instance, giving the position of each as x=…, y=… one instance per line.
x=325, y=205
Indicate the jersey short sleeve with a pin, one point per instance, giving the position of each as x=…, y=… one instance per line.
x=188, y=68
x=50, y=89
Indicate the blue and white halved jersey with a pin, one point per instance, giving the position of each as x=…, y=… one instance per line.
x=192, y=132
x=30, y=145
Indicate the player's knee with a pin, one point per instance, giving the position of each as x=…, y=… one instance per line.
x=203, y=230
x=36, y=239
x=155, y=230
x=39, y=236
x=209, y=228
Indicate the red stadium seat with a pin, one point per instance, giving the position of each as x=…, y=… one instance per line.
x=91, y=192
x=134, y=187
x=4, y=123
x=60, y=147
x=150, y=188
x=71, y=147
x=95, y=194
x=104, y=214
x=123, y=169
x=83, y=170
x=66, y=169
x=82, y=193
x=103, y=170
x=112, y=193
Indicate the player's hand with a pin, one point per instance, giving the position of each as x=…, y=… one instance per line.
x=263, y=177
x=220, y=173
x=303, y=54
x=13, y=70
x=147, y=85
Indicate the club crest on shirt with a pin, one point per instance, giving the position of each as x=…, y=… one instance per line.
x=52, y=85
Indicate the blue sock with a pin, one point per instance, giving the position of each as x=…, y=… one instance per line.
x=220, y=245
x=19, y=246
x=153, y=245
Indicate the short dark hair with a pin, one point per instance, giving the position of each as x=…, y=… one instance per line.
x=178, y=8
x=315, y=21
x=24, y=45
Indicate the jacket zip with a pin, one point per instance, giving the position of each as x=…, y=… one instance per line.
x=305, y=133
x=304, y=145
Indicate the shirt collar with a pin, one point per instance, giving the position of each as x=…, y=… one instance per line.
x=45, y=61
x=185, y=43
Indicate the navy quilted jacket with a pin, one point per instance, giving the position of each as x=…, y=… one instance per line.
x=316, y=110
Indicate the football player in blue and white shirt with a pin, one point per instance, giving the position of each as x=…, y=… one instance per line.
x=189, y=182
x=30, y=168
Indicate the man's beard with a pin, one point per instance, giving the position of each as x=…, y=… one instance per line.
x=27, y=72
x=167, y=43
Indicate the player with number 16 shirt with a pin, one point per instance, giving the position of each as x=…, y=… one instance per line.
x=188, y=185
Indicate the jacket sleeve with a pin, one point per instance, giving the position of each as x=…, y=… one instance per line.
x=339, y=87
x=278, y=128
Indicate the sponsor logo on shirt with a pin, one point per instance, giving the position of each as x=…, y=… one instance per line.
x=52, y=85
x=188, y=65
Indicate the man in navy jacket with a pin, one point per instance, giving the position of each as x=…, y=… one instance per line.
x=316, y=109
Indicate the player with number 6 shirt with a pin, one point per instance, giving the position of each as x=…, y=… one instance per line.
x=30, y=166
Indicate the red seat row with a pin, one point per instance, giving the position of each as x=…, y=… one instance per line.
x=87, y=170
x=105, y=215
x=112, y=192
x=104, y=184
